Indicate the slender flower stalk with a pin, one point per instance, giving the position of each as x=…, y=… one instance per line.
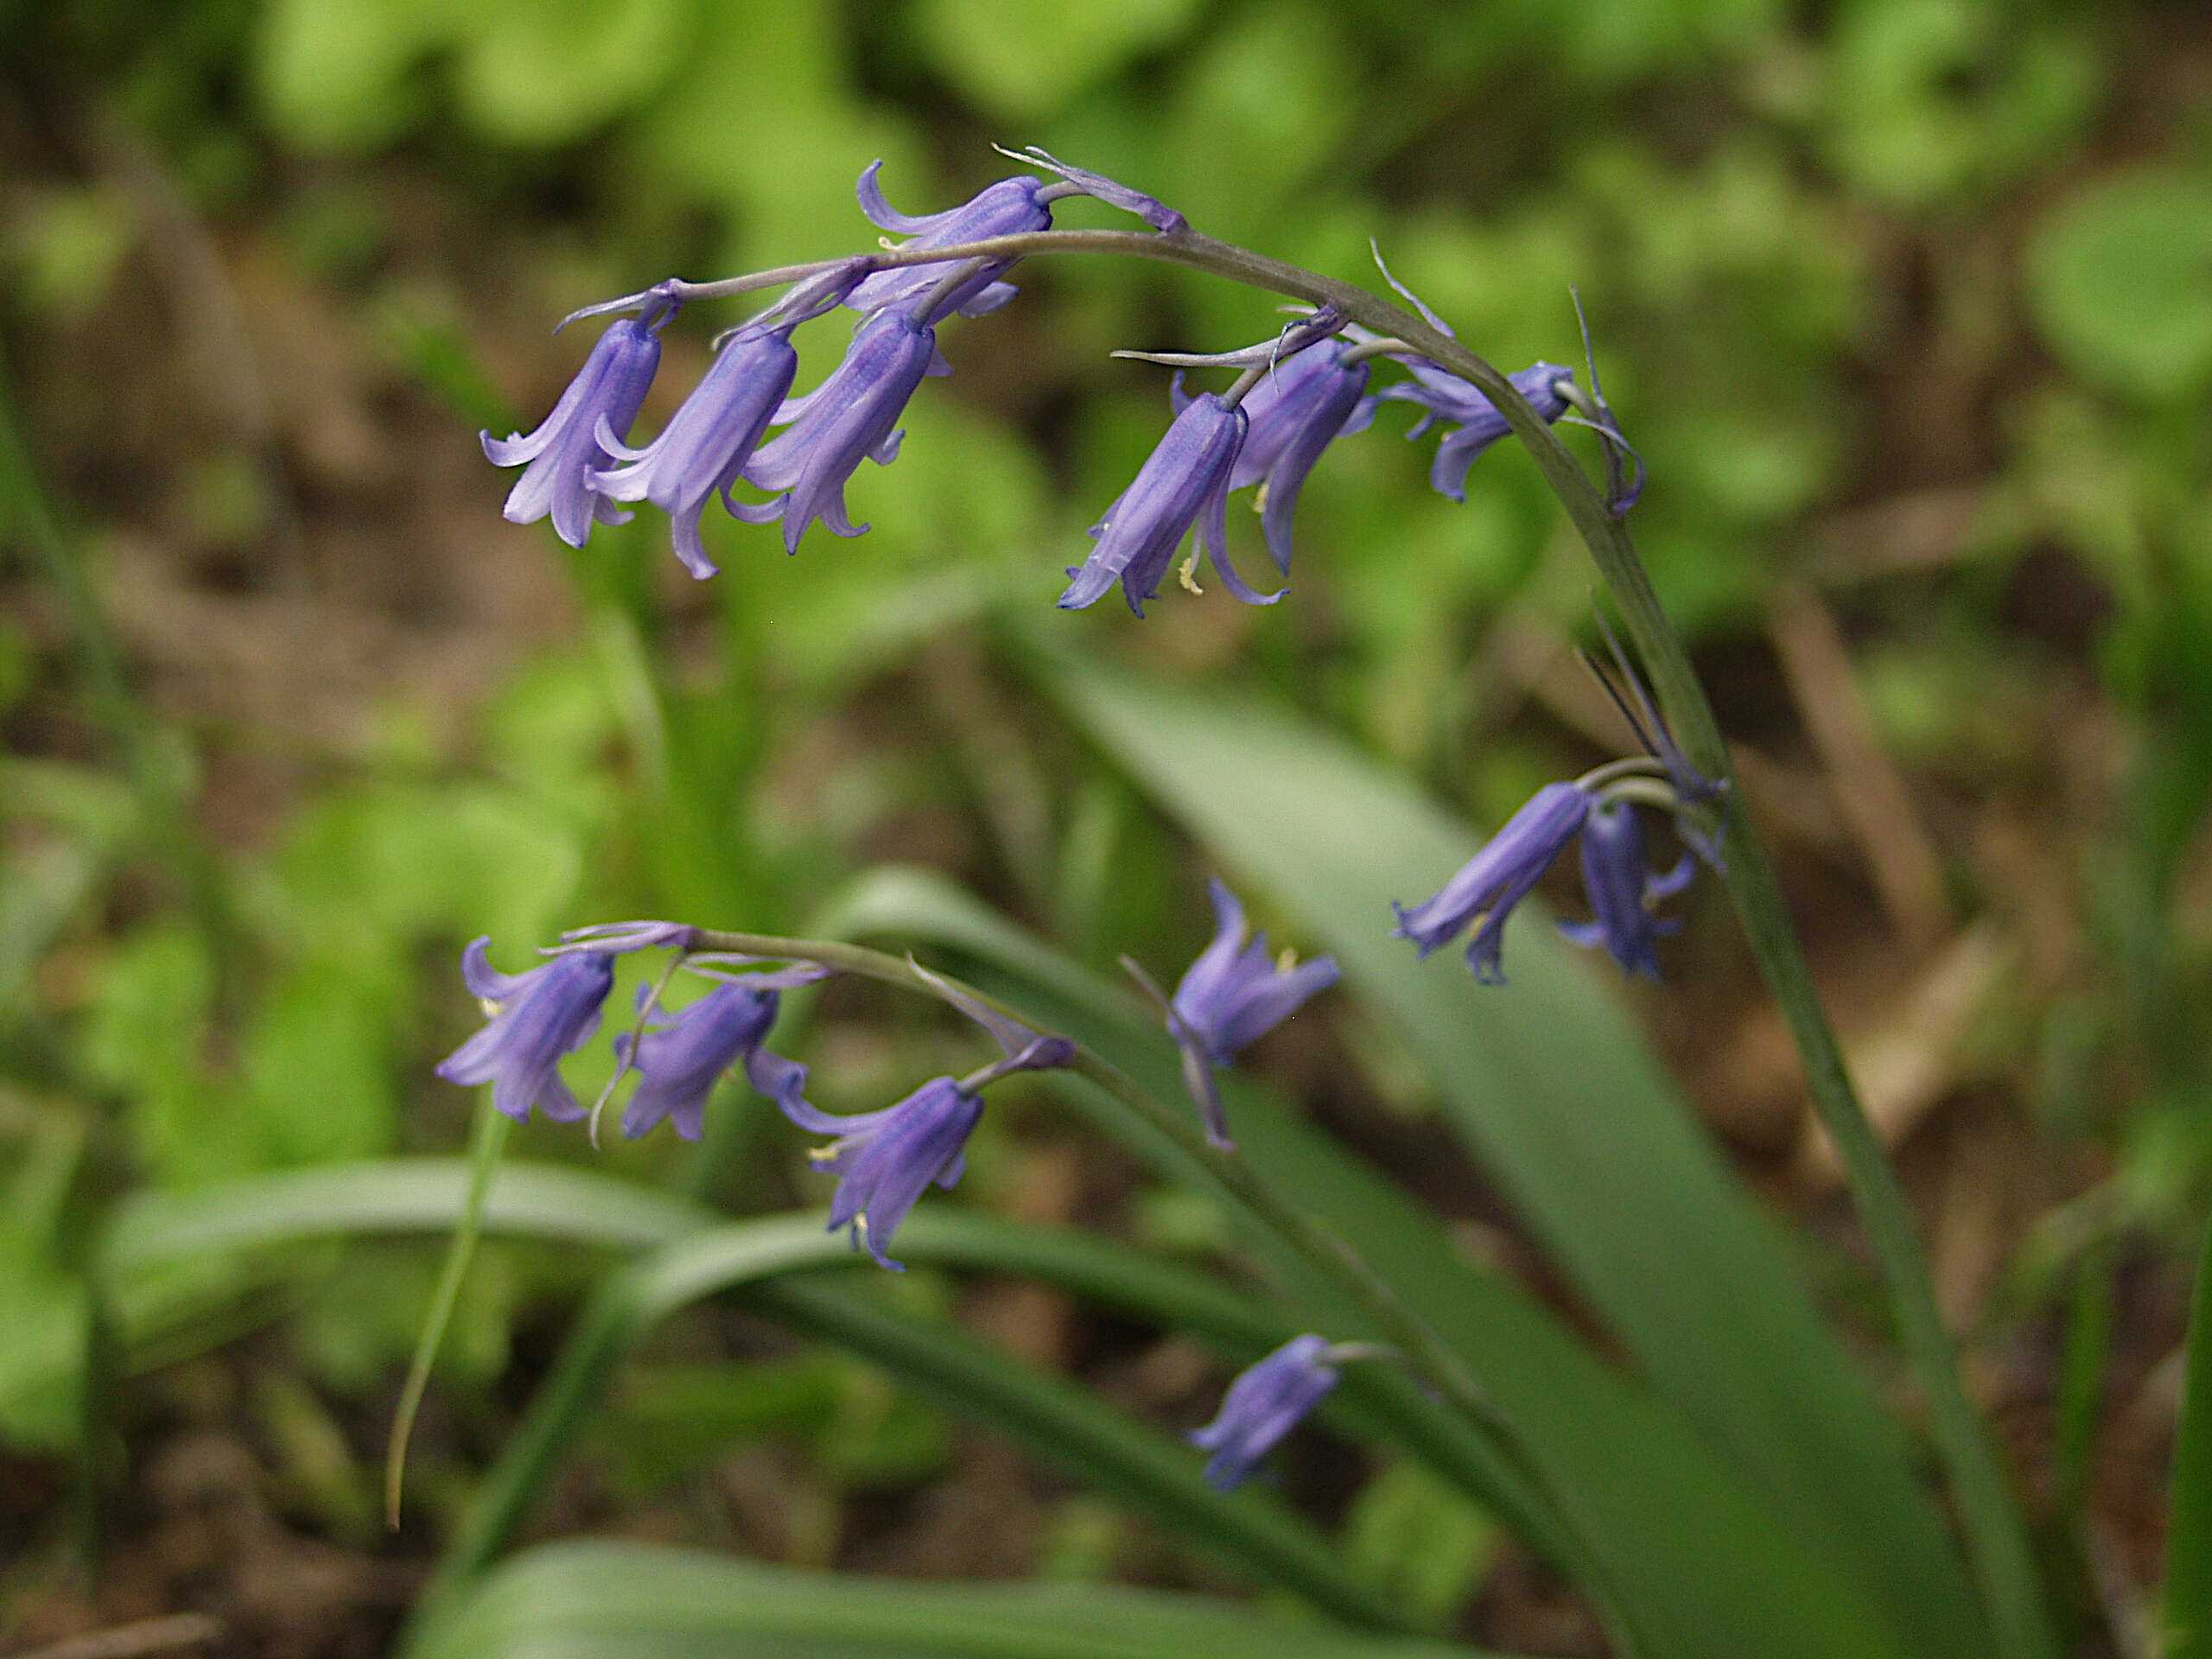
x=1406, y=1335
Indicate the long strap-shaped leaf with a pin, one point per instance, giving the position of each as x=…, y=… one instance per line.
x=604, y=1600
x=1062, y=1422
x=397, y=1195
x=1705, y=1565
x=1551, y=1089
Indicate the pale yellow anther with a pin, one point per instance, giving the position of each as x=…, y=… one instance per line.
x=1287, y=961
x=1188, y=576
x=1260, y=497
x=491, y=1009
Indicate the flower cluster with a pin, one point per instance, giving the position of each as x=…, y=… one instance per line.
x=1296, y=395
x=884, y=1159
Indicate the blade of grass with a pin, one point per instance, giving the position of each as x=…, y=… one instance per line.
x=1063, y=1424
x=396, y=1195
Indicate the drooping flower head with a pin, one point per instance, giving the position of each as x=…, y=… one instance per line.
x=705, y=446
x=1183, y=480
x=885, y=1161
x=1303, y=405
x=852, y=415
x=535, y=1018
x=565, y=451
x=1265, y=1402
x=1623, y=889
x=1444, y=396
x=1232, y=995
x=680, y=1059
x=1497, y=879
x=1008, y=207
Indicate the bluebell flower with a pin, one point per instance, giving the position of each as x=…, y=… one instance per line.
x=1006, y=208
x=1444, y=396
x=565, y=451
x=536, y=1018
x=1185, y=480
x=1623, y=889
x=705, y=446
x=1234, y=994
x=1009, y=207
x=885, y=1161
x=1265, y=1402
x=1303, y=405
x=680, y=1057
x=851, y=416
x=1498, y=878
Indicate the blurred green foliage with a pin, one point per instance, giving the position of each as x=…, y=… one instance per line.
x=1834, y=259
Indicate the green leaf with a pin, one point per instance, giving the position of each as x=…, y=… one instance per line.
x=548, y=71
x=1704, y=1568
x=2119, y=279
x=149, y=1230
x=630, y=1601
x=1060, y=1422
x=1066, y=1425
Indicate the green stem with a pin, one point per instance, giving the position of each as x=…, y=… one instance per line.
x=1424, y=1352
x=490, y=1137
